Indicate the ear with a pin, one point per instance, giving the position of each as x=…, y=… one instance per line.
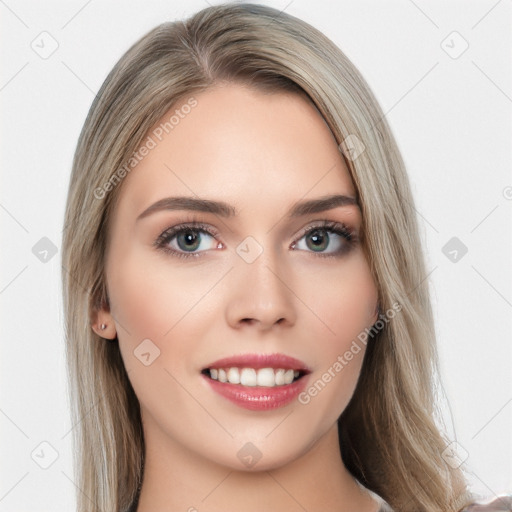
x=102, y=322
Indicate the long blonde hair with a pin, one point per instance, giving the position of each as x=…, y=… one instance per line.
x=388, y=434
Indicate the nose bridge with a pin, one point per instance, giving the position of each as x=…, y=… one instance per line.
x=261, y=292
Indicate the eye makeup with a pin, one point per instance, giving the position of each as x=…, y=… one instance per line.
x=319, y=232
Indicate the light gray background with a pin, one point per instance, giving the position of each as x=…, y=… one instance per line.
x=451, y=118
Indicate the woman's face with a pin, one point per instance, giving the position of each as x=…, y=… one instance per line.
x=242, y=285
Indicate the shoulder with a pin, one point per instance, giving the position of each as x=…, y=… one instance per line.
x=501, y=503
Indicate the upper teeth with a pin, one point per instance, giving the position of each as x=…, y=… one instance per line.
x=267, y=377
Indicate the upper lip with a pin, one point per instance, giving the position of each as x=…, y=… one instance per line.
x=258, y=361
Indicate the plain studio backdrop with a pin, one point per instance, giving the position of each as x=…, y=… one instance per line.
x=442, y=74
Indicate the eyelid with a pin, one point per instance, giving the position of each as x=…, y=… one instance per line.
x=328, y=224
x=343, y=229
x=175, y=229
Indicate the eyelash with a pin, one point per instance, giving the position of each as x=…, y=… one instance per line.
x=337, y=228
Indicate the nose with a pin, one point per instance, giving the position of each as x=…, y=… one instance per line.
x=260, y=294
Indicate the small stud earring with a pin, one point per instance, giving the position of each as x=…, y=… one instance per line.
x=103, y=327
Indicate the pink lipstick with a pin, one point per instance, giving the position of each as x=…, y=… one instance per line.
x=257, y=382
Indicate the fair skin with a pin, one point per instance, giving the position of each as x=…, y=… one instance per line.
x=260, y=153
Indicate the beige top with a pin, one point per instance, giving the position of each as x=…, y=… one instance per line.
x=501, y=503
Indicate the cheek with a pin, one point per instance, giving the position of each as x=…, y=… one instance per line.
x=154, y=299
x=150, y=296
x=343, y=301
x=344, y=308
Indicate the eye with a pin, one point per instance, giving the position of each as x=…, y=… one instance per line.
x=185, y=239
x=326, y=239
x=329, y=239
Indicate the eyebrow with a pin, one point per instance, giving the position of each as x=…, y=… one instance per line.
x=226, y=210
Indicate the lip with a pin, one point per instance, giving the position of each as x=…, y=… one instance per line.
x=258, y=361
x=259, y=398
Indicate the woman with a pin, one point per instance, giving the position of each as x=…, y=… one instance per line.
x=285, y=358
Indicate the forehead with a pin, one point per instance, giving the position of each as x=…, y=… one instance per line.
x=239, y=145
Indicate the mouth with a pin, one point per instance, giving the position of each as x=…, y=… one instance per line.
x=257, y=370
x=255, y=377
x=258, y=382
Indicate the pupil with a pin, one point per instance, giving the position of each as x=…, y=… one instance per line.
x=189, y=237
x=318, y=238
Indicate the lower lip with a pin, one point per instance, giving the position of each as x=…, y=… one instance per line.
x=258, y=398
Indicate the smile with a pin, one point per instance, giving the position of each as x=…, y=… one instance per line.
x=257, y=382
x=263, y=377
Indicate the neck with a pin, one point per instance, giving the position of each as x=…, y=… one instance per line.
x=178, y=479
